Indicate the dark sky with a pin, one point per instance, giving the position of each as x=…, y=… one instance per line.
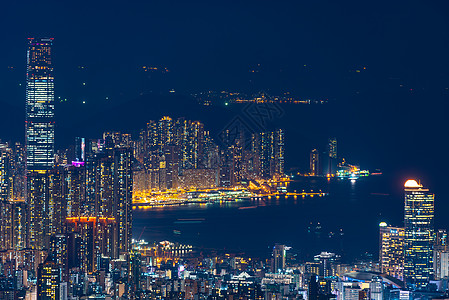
x=392, y=115
x=213, y=44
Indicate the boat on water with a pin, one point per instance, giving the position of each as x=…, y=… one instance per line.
x=247, y=207
x=189, y=221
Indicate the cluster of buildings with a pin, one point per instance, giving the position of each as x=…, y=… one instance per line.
x=414, y=253
x=179, y=153
x=66, y=216
x=413, y=264
x=330, y=165
x=324, y=163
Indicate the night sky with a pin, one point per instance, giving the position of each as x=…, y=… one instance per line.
x=391, y=115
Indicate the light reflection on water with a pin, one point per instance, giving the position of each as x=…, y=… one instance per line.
x=253, y=226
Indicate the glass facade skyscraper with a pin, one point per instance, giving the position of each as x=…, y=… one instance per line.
x=40, y=125
x=419, y=237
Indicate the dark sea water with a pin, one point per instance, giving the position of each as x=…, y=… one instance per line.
x=346, y=221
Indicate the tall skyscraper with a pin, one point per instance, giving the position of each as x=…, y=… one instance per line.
x=278, y=259
x=314, y=162
x=419, y=236
x=123, y=194
x=391, y=250
x=332, y=152
x=40, y=125
x=279, y=149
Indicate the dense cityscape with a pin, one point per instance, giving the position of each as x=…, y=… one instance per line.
x=222, y=150
x=67, y=215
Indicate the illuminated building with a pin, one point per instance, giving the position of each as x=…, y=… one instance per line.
x=278, y=258
x=40, y=125
x=123, y=192
x=117, y=139
x=92, y=154
x=112, y=185
x=164, y=132
x=48, y=279
x=141, y=181
x=326, y=261
x=224, y=168
x=195, y=143
x=237, y=162
x=419, y=239
x=270, y=147
x=251, y=165
x=12, y=225
x=265, y=150
x=314, y=163
x=151, y=140
x=75, y=191
x=376, y=288
x=52, y=196
x=6, y=173
x=332, y=156
x=59, y=253
x=19, y=178
x=441, y=239
x=56, y=208
x=6, y=226
x=319, y=289
x=242, y=286
x=440, y=264
x=333, y=148
x=19, y=224
x=169, y=168
x=441, y=255
x=38, y=211
x=135, y=271
x=80, y=149
x=152, y=166
x=209, y=158
x=181, y=141
x=198, y=178
x=89, y=239
x=279, y=149
x=391, y=250
x=104, y=180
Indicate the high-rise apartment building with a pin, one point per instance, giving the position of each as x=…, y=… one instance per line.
x=123, y=192
x=40, y=125
x=48, y=279
x=314, y=162
x=279, y=150
x=6, y=173
x=419, y=234
x=391, y=250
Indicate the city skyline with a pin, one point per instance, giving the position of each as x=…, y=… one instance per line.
x=222, y=151
x=394, y=85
